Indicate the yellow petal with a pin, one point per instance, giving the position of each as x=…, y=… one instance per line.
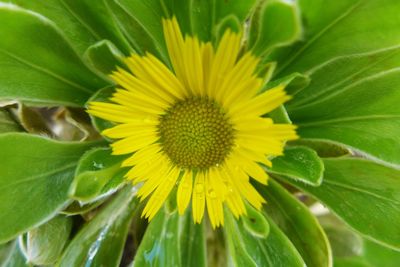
x=142, y=155
x=184, y=191
x=233, y=198
x=161, y=193
x=224, y=60
x=242, y=72
x=207, y=52
x=175, y=45
x=134, y=85
x=193, y=65
x=133, y=143
x=214, y=203
x=240, y=181
x=198, y=198
x=250, y=167
x=155, y=178
x=130, y=129
x=114, y=112
x=154, y=73
x=261, y=104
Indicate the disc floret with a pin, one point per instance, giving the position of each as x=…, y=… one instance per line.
x=196, y=133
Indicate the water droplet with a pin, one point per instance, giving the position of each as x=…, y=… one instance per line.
x=199, y=188
x=98, y=165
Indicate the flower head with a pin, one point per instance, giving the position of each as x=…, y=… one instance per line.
x=199, y=126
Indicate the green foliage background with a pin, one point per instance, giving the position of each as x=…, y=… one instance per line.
x=63, y=200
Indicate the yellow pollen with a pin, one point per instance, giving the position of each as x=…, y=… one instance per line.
x=195, y=133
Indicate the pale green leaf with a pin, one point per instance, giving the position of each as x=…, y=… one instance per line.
x=298, y=223
x=363, y=100
x=299, y=163
x=97, y=175
x=275, y=23
x=34, y=69
x=98, y=19
x=101, y=241
x=248, y=249
x=172, y=240
x=364, y=194
x=146, y=17
x=35, y=175
x=333, y=29
x=45, y=244
x=76, y=32
x=8, y=123
x=324, y=148
x=105, y=57
x=16, y=258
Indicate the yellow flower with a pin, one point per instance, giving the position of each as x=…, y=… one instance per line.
x=199, y=127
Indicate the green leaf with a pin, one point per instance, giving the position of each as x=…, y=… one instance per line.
x=146, y=18
x=132, y=29
x=98, y=19
x=172, y=240
x=332, y=29
x=275, y=23
x=279, y=115
x=349, y=248
x=16, y=258
x=294, y=83
x=247, y=249
x=5, y=251
x=35, y=175
x=298, y=224
x=101, y=241
x=299, y=163
x=324, y=148
x=99, y=173
x=364, y=194
x=340, y=73
x=229, y=22
x=105, y=57
x=238, y=8
x=378, y=255
x=363, y=104
x=76, y=32
x=77, y=208
x=351, y=262
x=344, y=241
x=208, y=19
x=36, y=70
x=102, y=95
x=7, y=123
x=45, y=244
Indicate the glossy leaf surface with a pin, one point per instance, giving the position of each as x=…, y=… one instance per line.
x=45, y=244
x=172, y=240
x=35, y=175
x=52, y=74
x=7, y=123
x=298, y=223
x=275, y=23
x=97, y=175
x=364, y=194
x=362, y=97
x=76, y=32
x=101, y=241
x=248, y=249
x=333, y=29
x=299, y=163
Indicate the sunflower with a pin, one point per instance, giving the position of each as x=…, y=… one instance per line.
x=200, y=126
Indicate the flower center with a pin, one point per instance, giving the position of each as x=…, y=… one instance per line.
x=195, y=133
